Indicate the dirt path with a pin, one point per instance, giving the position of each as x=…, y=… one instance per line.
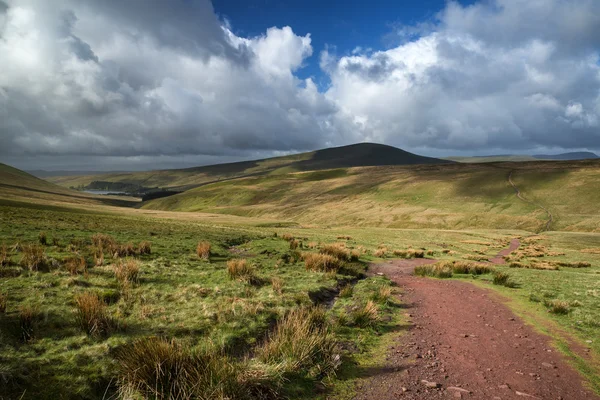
x=462, y=342
x=520, y=196
x=499, y=258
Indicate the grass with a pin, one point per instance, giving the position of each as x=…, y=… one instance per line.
x=127, y=271
x=321, y=262
x=438, y=270
x=240, y=269
x=92, y=315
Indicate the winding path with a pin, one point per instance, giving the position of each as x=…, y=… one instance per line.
x=520, y=196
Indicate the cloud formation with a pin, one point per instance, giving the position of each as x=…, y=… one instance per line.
x=150, y=78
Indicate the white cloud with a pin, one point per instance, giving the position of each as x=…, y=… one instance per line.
x=138, y=79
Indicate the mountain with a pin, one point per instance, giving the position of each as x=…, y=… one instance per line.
x=41, y=173
x=581, y=155
x=356, y=155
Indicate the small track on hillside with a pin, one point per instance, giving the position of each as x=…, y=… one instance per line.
x=520, y=196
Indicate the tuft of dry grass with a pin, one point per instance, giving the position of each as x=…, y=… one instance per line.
x=75, y=265
x=442, y=269
x=354, y=255
x=203, y=250
x=337, y=250
x=92, y=315
x=410, y=253
x=145, y=247
x=469, y=267
x=287, y=237
x=366, y=316
x=240, y=269
x=98, y=256
x=28, y=316
x=344, y=237
x=346, y=291
x=103, y=241
x=312, y=245
x=43, y=238
x=576, y=264
x=558, y=306
x=383, y=294
x=294, y=244
x=301, y=342
x=277, y=285
x=127, y=271
x=4, y=256
x=34, y=257
x=3, y=302
x=591, y=251
x=502, y=279
x=321, y=262
x=380, y=252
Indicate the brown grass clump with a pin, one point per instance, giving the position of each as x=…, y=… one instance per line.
x=410, y=253
x=203, y=250
x=92, y=315
x=127, y=271
x=3, y=302
x=287, y=237
x=344, y=237
x=321, y=262
x=479, y=242
x=102, y=240
x=277, y=285
x=240, y=269
x=475, y=257
x=543, y=265
x=502, y=279
x=4, y=256
x=34, y=257
x=43, y=239
x=576, y=264
x=98, y=256
x=144, y=247
x=301, y=342
x=558, y=306
x=383, y=294
x=442, y=269
x=469, y=267
x=591, y=251
x=354, y=255
x=294, y=244
x=381, y=252
x=28, y=317
x=346, y=291
x=312, y=245
x=337, y=250
x=75, y=265
x=365, y=316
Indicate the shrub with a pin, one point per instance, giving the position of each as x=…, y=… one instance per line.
x=34, y=257
x=153, y=368
x=92, y=315
x=203, y=250
x=366, y=316
x=439, y=270
x=145, y=247
x=4, y=257
x=240, y=269
x=301, y=342
x=127, y=272
x=75, y=265
x=28, y=317
x=42, y=238
x=3, y=302
x=277, y=284
x=558, y=306
x=337, y=250
x=321, y=262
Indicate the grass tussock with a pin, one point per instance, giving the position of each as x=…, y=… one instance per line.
x=4, y=255
x=346, y=291
x=302, y=342
x=144, y=248
x=34, y=257
x=473, y=268
x=556, y=306
x=321, y=262
x=28, y=316
x=502, y=279
x=103, y=241
x=365, y=316
x=354, y=255
x=380, y=252
x=239, y=269
x=75, y=265
x=475, y=257
x=3, y=303
x=294, y=243
x=203, y=250
x=127, y=271
x=287, y=237
x=383, y=294
x=344, y=237
x=337, y=250
x=410, y=253
x=277, y=285
x=92, y=314
x=443, y=269
x=154, y=368
x=43, y=238
x=591, y=251
x=576, y=264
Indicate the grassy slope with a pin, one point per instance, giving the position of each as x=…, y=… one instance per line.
x=455, y=196
x=346, y=156
x=18, y=185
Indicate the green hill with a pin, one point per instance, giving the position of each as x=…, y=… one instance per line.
x=452, y=196
x=362, y=154
x=18, y=185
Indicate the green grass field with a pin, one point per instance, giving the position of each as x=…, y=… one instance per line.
x=452, y=212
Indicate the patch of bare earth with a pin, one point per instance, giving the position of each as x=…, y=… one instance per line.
x=462, y=342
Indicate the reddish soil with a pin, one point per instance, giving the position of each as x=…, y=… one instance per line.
x=499, y=258
x=463, y=342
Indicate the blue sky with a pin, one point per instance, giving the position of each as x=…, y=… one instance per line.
x=341, y=25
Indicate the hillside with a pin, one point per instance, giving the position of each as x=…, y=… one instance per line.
x=362, y=154
x=455, y=196
x=19, y=185
x=575, y=156
x=581, y=155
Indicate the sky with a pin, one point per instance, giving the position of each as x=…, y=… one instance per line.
x=149, y=84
